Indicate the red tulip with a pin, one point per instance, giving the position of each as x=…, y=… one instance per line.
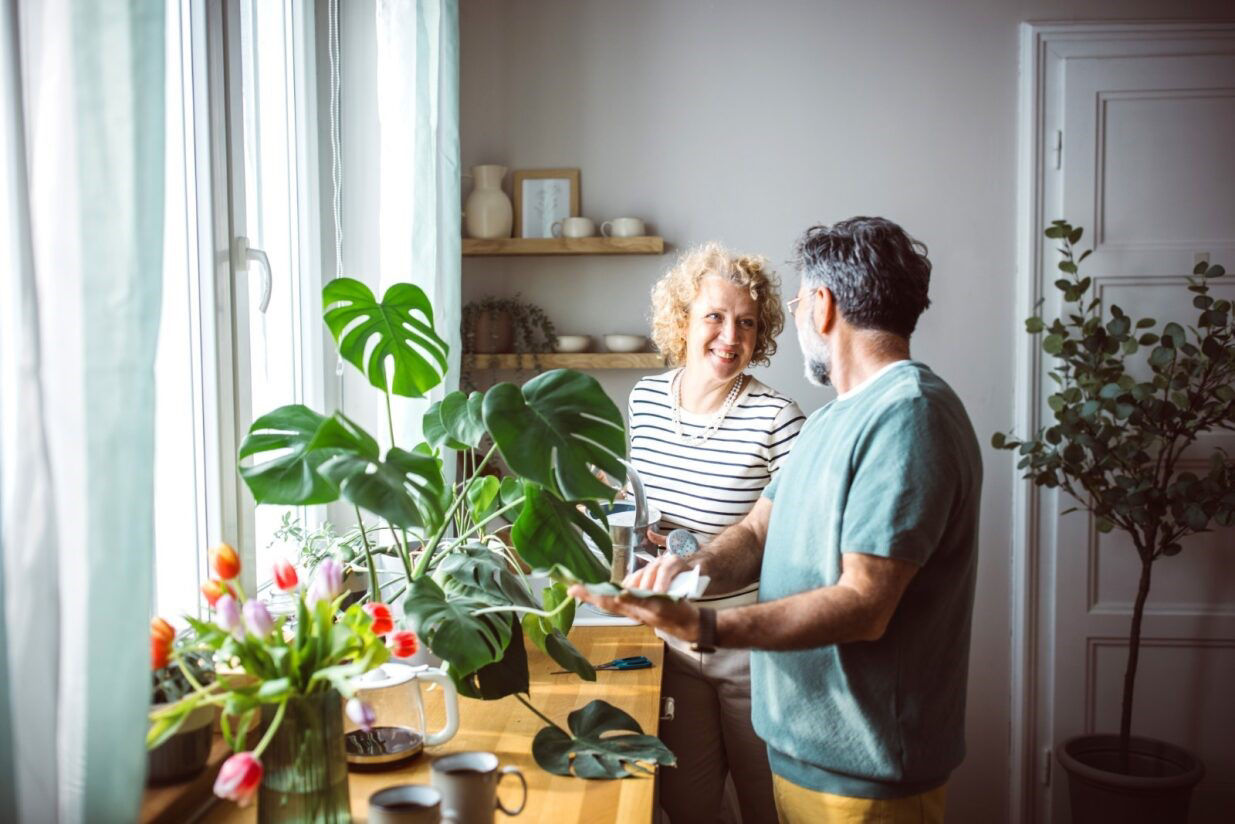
x=285, y=575
x=159, y=652
x=382, y=620
x=239, y=778
x=224, y=561
x=213, y=590
x=162, y=630
x=403, y=644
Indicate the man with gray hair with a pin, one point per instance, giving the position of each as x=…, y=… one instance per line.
x=865, y=546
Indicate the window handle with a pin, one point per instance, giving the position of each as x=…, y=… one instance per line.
x=246, y=254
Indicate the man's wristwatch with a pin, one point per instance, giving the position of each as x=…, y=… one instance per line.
x=707, y=631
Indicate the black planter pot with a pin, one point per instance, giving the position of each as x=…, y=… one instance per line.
x=1158, y=791
x=184, y=754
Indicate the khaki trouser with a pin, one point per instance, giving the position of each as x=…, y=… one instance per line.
x=712, y=736
x=798, y=805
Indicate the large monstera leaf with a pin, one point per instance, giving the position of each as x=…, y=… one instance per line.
x=550, y=532
x=592, y=752
x=407, y=488
x=455, y=421
x=399, y=328
x=452, y=632
x=295, y=441
x=555, y=429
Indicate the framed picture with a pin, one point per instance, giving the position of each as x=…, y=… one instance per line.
x=542, y=197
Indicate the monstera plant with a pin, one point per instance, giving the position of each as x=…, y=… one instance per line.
x=464, y=591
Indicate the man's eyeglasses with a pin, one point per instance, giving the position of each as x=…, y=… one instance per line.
x=792, y=304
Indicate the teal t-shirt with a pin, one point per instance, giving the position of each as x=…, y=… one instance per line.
x=892, y=470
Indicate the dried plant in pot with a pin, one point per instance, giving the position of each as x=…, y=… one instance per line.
x=1123, y=419
x=494, y=325
x=184, y=754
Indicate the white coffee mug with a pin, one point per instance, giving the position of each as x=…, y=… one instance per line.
x=573, y=227
x=623, y=227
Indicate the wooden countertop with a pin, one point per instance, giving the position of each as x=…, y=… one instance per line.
x=506, y=728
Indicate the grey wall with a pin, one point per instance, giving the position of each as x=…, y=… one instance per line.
x=746, y=122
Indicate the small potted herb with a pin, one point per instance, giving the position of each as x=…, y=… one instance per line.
x=184, y=754
x=495, y=325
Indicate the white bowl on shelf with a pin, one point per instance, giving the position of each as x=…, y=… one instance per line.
x=573, y=343
x=625, y=343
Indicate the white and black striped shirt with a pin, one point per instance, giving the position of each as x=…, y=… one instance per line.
x=708, y=487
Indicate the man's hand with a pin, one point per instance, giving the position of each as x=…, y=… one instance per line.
x=658, y=574
x=679, y=618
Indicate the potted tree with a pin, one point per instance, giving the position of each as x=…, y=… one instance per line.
x=1114, y=447
x=464, y=592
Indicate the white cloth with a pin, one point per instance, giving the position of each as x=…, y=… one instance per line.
x=81, y=160
x=418, y=114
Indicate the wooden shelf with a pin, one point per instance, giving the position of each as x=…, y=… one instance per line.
x=574, y=360
x=650, y=245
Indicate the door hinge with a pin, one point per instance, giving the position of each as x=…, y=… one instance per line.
x=1046, y=767
x=1058, y=148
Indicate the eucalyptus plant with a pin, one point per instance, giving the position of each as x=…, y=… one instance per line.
x=464, y=593
x=1128, y=402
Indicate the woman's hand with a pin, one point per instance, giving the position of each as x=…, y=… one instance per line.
x=656, y=538
x=657, y=575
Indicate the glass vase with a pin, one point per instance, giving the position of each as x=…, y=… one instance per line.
x=305, y=764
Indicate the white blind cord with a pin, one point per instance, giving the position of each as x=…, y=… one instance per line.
x=336, y=159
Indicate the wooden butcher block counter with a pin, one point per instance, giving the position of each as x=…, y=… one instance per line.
x=507, y=728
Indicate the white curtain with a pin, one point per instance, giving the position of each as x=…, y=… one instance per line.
x=420, y=219
x=81, y=157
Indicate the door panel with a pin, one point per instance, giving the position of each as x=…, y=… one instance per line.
x=1145, y=166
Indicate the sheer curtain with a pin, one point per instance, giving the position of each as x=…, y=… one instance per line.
x=81, y=164
x=420, y=219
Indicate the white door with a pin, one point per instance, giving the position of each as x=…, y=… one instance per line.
x=1137, y=145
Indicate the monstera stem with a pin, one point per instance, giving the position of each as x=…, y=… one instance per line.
x=431, y=546
x=402, y=543
x=537, y=712
x=374, y=586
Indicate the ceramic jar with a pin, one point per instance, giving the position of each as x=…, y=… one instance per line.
x=488, y=213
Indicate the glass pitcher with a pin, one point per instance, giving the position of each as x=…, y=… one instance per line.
x=394, y=691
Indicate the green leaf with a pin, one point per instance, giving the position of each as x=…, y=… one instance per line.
x=591, y=753
x=549, y=531
x=482, y=574
x=1052, y=344
x=398, y=329
x=1161, y=356
x=998, y=440
x=1074, y=236
x=1176, y=333
x=1145, y=323
x=501, y=678
x=455, y=421
x=512, y=490
x=481, y=493
x=1067, y=266
x=407, y=489
x=1055, y=232
x=467, y=641
x=1215, y=271
x=555, y=430
x=300, y=441
x=1034, y=325
x=1110, y=391
x=562, y=651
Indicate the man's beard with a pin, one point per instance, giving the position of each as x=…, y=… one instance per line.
x=816, y=353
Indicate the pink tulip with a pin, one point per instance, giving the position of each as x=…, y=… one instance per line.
x=285, y=577
x=239, y=778
x=361, y=713
x=403, y=644
x=328, y=583
x=383, y=622
x=258, y=618
x=227, y=616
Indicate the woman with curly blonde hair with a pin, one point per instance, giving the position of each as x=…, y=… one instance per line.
x=706, y=438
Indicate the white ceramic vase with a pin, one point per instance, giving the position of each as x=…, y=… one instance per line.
x=487, y=212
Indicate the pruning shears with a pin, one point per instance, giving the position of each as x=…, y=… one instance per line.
x=632, y=663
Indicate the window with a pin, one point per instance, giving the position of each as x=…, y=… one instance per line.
x=240, y=332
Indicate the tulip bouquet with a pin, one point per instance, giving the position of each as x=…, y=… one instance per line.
x=273, y=663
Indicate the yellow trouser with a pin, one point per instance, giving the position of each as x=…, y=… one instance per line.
x=798, y=805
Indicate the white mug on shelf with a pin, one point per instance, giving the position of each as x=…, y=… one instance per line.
x=623, y=227
x=573, y=227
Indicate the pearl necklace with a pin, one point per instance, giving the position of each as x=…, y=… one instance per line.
x=675, y=398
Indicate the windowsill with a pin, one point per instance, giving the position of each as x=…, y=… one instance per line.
x=184, y=800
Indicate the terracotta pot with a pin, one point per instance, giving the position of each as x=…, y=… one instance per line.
x=1158, y=791
x=494, y=333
